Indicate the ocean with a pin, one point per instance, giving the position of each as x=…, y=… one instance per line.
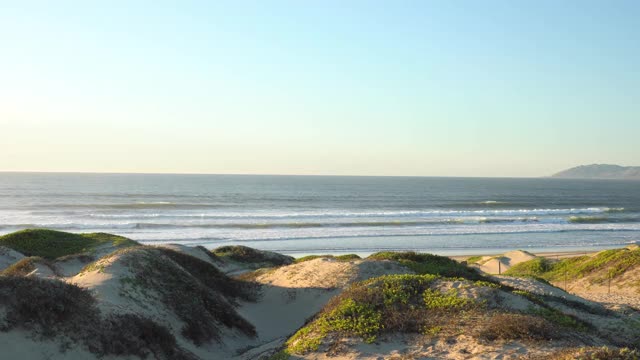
x=301, y=215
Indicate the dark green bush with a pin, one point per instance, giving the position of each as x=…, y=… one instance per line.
x=246, y=254
x=51, y=244
x=430, y=264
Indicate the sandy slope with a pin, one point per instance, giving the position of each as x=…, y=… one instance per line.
x=501, y=263
x=197, y=252
x=8, y=257
x=454, y=346
x=69, y=266
x=409, y=347
x=112, y=281
x=292, y=294
x=20, y=345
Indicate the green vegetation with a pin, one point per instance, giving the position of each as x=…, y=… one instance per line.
x=528, y=295
x=474, y=259
x=391, y=303
x=487, y=284
x=246, y=254
x=435, y=299
x=50, y=308
x=425, y=304
x=51, y=244
x=430, y=264
x=559, y=318
x=345, y=258
x=534, y=267
x=605, y=265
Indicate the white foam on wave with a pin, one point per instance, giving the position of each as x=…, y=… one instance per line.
x=325, y=233
x=351, y=214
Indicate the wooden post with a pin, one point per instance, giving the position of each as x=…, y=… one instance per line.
x=499, y=268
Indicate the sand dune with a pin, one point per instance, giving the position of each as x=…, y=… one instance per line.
x=243, y=303
x=293, y=293
x=501, y=263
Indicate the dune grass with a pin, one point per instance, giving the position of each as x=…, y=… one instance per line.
x=532, y=268
x=345, y=258
x=430, y=264
x=51, y=244
x=605, y=265
x=474, y=259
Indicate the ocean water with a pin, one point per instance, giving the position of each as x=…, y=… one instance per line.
x=330, y=214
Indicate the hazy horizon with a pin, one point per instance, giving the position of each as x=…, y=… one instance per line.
x=515, y=89
x=265, y=174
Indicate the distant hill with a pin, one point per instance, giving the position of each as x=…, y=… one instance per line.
x=600, y=171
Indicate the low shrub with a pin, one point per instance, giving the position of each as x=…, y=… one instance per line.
x=213, y=278
x=559, y=318
x=130, y=334
x=50, y=308
x=430, y=264
x=391, y=303
x=516, y=327
x=246, y=254
x=43, y=305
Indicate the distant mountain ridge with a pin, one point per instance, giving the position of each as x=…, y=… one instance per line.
x=600, y=171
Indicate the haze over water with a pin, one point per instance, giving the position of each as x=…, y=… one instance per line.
x=330, y=214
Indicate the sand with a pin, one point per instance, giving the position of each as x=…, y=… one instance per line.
x=501, y=263
x=9, y=257
x=618, y=294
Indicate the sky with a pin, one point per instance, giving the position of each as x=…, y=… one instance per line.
x=420, y=88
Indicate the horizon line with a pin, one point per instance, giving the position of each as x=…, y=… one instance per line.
x=252, y=174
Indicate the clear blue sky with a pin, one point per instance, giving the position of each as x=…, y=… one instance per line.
x=459, y=88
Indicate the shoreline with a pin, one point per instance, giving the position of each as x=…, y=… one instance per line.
x=462, y=254
x=544, y=254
